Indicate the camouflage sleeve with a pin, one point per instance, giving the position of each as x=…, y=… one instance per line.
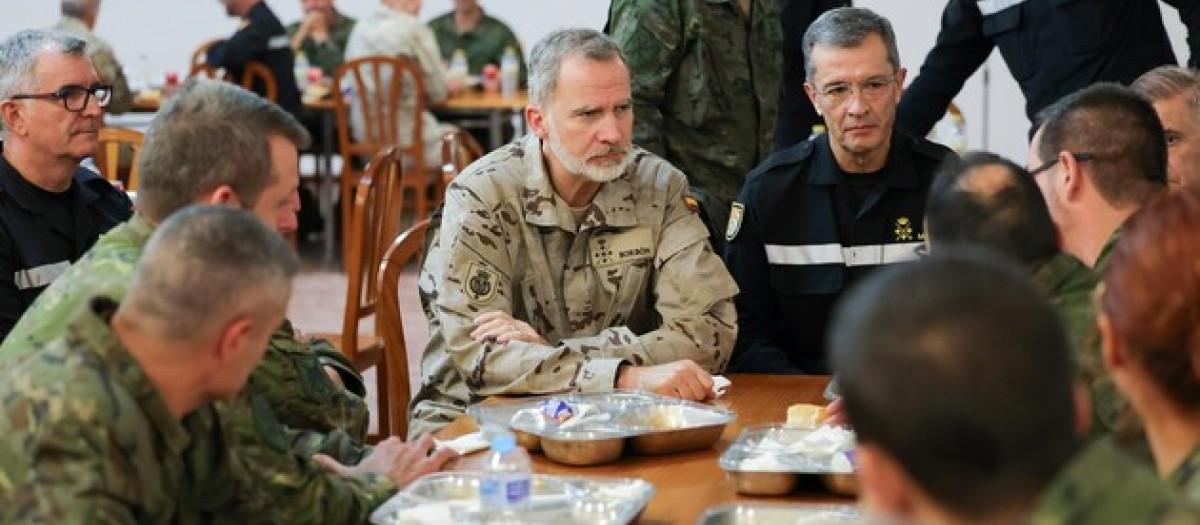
x=110, y=71
x=650, y=33
x=73, y=478
x=338, y=445
x=270, y=474
x=292, y=380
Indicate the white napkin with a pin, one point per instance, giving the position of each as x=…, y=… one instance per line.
x=465, y=444
x=720, y=384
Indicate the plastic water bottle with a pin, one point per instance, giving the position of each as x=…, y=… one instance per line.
x=458, y=65
x=300, y=70
x=504, y=490
x=510, y=70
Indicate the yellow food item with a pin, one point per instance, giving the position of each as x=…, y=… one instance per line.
x=805, y=415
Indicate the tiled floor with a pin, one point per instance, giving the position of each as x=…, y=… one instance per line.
x=319, y=301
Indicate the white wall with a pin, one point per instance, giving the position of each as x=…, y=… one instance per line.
x=166, y=31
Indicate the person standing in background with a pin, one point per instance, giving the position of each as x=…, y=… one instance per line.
x=482, y=38
x=322, y=35
x=706, y=77
x=79, y=18
x=261, y=37
x=1175, y=93
x=1053, y=48
x=796, y=116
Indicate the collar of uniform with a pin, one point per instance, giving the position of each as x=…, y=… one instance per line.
x=84, y=178
x=94, y=329
x=139, y=228
x=1093, y=473
x=72, y=24
x=898, y=172
x=1059, y=269
x=543, y=207
x=1106, y=251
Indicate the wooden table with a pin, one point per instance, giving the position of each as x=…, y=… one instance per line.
x=690, y=482
x=491, y=107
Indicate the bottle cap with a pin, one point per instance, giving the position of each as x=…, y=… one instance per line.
x=504, y=443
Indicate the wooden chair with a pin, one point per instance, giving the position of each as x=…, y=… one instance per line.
x=108, y=154
x=459, y=150
x=390, y=324
x=375, y=222
x=375, y=90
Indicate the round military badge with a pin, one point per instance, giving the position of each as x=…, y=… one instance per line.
x=735, y=221
x=480, y=284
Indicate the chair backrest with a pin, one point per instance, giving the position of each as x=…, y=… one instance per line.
x=390, y=322
x=200, y=56
x=459, y=150
x=375, y=222
x=108, y=154
x=370, y=93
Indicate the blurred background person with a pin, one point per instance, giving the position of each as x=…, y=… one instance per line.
x=1175, y=93
x=706, y=77
x=481, y=38
x=321, y=35
x=79, y=18
x=260, y=37
x=1150, y=325
x=796, y=117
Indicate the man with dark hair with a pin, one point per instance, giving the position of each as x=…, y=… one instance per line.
x=1052, y=48
x=1100, y=153
x=985, y=429
x=51, y=209
x=987, y=200
x=818, y=216
x=261, y=38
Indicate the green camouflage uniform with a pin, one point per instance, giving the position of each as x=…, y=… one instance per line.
x=329, y=54
x=1185, y=480
x=105, y=62
x=1103, y=486
x=635, y=282
x=706, y=83
x=88, y=439
x=290, y=380
x=483, y=45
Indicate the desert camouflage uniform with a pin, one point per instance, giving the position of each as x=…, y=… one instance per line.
x=1103, y=486
x=88, y=439
x=706, y=83
x=634, y=283
x=290, y=383
x=105, y=62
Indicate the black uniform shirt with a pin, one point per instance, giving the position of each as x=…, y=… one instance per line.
x=42, y=233
x=1052, y=48
x=803, y=238
x=262, y=38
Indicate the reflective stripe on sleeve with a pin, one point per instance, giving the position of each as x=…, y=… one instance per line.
x=41, y=276
x=833, y=253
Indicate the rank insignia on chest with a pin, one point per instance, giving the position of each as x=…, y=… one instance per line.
x=480, y=284
x=735, y=221
x=904, y=229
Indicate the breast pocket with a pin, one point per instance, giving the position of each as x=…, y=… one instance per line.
x=1086, y=23
x=1017, y=47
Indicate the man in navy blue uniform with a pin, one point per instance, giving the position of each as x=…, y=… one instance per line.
x=261, y=38
x=1052, y=48
x=818, y=216
x=51, y=210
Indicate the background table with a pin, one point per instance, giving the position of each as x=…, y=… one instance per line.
x=690, y=482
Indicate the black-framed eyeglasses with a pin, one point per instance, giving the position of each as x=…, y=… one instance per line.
x=1081, y=157
x=74, y=97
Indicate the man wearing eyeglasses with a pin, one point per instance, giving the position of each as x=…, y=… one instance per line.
x=818, y=216
x=51, y=209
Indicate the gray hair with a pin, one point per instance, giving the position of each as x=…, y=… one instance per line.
x=79, y=8
x=19, y=55
x=211, y=134
x=1164, y=82
x=207, y=265
x=847, y=27
x=547, y=56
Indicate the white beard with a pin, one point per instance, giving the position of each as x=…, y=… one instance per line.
x=580, y=166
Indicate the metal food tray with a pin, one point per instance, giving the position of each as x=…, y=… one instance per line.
x=790, y=466
x=742, y=514
x=453, y=497
x=649, y=423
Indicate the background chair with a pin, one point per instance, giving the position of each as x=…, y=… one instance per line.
x=108, y=154
x=375, y=221
x=390, y=324
x=370, y=93
x=459, y=150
